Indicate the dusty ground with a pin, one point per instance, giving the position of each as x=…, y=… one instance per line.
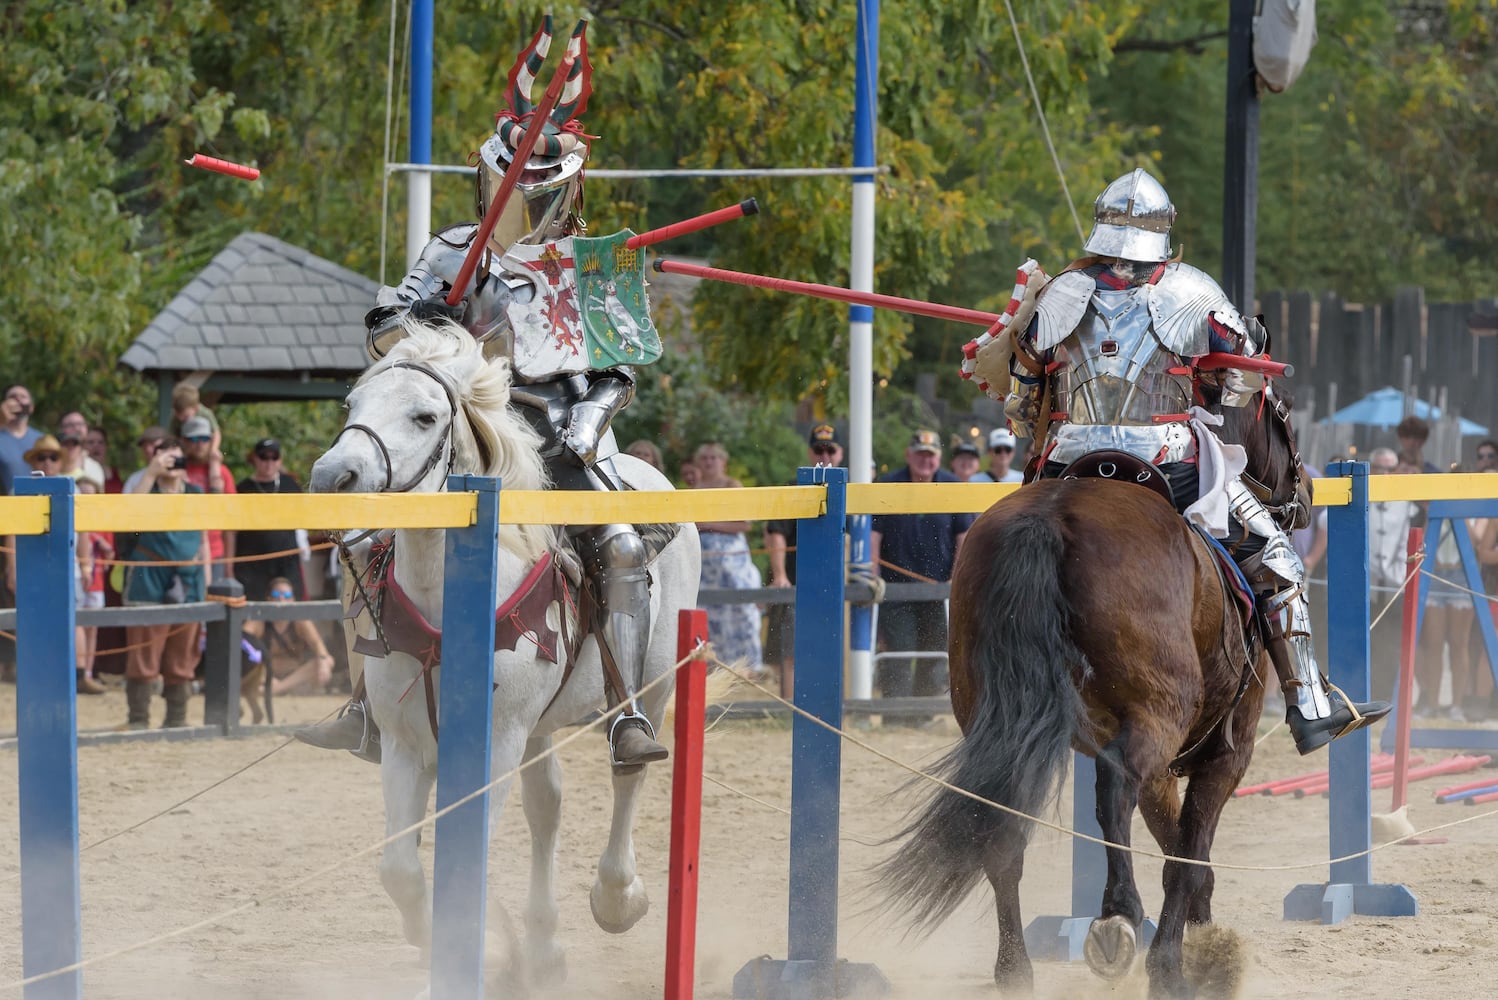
x=302, y=809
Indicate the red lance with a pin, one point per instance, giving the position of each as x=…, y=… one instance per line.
x=517, y=167
x=936, y=310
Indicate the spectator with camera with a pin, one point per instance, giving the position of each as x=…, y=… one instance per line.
x=164, y=567
x=206, y=470
x=76, y=461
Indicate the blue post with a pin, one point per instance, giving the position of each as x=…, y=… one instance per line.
x=816, y=761
x=47, y=747
x=1350, y=889
x=419, y=184
x=813, y=969
x=1055, y=938
x=466, y=715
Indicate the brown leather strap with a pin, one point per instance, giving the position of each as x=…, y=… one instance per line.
x=426, y=682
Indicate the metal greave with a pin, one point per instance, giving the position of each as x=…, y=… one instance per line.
x=1282, y=600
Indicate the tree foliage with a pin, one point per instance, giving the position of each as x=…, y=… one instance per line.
x=1377, y=167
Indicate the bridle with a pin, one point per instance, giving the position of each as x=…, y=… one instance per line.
x=444, y=443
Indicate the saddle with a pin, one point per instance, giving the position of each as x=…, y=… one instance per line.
x=1121, y=467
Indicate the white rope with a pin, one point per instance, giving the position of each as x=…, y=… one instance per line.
x=1076, y=834
x=701, y=651
x=1045, y=129
x=1415, y=571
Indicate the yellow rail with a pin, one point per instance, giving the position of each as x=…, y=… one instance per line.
x=253, y=512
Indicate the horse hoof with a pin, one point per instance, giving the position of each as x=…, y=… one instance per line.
x=1110, y=947
x=617, y=911
x=549, y=969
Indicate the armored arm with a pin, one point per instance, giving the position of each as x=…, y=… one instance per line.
x=608, y=393
x=422, y=294
x=1026, y=387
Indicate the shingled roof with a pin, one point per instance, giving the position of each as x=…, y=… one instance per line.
x=261, y=307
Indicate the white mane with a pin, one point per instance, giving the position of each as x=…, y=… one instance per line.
x=488, y=437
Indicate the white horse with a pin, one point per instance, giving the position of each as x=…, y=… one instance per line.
x=435, y=405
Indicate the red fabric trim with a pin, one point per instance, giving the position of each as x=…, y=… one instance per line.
x=1112, y=280
x=1159, y=273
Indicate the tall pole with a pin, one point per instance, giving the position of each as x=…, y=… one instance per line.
x=861, y=325
x=1240, y=187
x=419, y=182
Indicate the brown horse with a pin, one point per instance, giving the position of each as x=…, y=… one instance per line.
x=1086, y=615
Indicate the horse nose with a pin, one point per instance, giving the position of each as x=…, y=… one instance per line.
x=333, y=477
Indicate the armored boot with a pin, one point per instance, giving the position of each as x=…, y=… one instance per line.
x=138, y=704
x=1315, y=714
x=177, y=696
x=616, y=564
x=353, y=730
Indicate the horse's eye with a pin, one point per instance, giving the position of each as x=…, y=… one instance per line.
x=426, y=419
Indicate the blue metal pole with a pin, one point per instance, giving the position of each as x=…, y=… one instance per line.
x=816, y=755
x=1347, y=642
x=861, y=320
x=47, y=747
x=419, y=183
x=466, y=717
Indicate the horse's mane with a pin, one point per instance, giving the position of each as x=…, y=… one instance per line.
x=489, y=438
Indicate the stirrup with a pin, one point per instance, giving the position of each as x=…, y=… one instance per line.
x=632, y=716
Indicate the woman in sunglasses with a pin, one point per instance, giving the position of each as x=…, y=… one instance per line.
x=298, y=658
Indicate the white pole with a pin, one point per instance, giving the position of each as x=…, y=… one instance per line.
x=418, y=214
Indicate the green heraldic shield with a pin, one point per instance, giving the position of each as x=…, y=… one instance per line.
x=616, y=313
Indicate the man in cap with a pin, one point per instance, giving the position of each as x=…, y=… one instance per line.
x=147, y=442
x=916, y=548
x=822, y=448
x=1001, y=444
x=966, y=463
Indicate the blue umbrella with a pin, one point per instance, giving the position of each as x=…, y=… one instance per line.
x=1385, y=408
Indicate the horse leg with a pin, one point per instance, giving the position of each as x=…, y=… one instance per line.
x=541, y=797
x=407, y=786
x=618, y=897
x=1112, y=940
x=1012, y=972
x=1188, y=887
x=1160, y=805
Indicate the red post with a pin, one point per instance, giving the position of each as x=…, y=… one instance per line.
x=686, y=808
x=1407, y=668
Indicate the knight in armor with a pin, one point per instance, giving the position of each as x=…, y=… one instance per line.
x=523, y=305
x=1103, y=366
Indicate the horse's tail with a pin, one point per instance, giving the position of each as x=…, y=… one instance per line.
x=1017, y=743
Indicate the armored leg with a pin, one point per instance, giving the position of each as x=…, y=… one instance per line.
x=614, y=558
x=1315, y=714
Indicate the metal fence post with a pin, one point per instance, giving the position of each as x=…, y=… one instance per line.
x=222, y=660
x=47, y=746
x=466, y=718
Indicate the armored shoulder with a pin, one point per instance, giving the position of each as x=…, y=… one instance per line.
x=1062, y=305
x=1181, y=304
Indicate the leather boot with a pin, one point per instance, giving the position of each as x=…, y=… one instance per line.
x=353, y=730
x=138, y=704
x=177, y=696
x=634, y=745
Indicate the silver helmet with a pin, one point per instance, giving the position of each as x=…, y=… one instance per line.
x=1132, y=219
x=550, y=190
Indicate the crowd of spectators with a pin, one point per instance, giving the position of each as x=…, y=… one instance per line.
x=141, y=569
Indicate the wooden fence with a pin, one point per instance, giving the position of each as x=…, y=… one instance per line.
x=1444, y=353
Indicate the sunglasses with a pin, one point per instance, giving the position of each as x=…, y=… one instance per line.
x=204, y=439
x=1487, y=455
x=49, y=456
x=1003, y=448
x=282, y=593
x=824, y=449
x=267, y=456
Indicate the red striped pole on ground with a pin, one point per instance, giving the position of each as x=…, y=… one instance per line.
x=686, y=807
x=1407, y=668
x=1454, y=789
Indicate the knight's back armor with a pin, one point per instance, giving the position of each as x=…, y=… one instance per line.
x=1120, y=360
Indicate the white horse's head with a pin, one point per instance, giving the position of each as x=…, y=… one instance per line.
x=433, y=405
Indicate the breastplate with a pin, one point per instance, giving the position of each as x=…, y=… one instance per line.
x=1115, y=371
